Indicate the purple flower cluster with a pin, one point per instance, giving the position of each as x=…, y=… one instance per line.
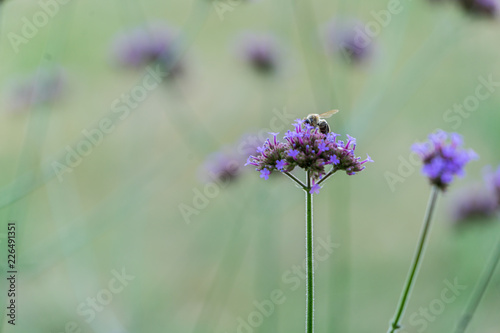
x=45, y=86
x=443, y=157
x=260, y=51
x=488, y=8
x=145, y=45
x=309, y=149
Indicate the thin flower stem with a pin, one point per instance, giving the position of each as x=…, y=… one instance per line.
x=479, y=290
x=331, y=172
x=309, y=259
x=296, y=180
x=395, y=325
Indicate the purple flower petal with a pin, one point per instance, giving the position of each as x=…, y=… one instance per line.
x=264, y=173
x=315, y=189
x=281, y=164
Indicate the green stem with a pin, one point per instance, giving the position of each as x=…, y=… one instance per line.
x=309, y=259
x=296, y=180
x=395, y=325
x=325, y=177
x=479, y=290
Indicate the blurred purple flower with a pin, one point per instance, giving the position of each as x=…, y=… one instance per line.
x=226, y=164
x=473, y=204
x=307, y=148
x=247, y=145
x=348, y=38
x=46, y=85
x=492, y=180
x=487, y=8
x=443, y=157
x=153, y=43
x=260, y=51
x=222, y=166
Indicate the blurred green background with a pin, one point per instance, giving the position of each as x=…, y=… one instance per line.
x=121, y=207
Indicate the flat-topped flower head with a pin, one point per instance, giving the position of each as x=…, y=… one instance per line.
x=148, y=45
x=309, y=149
x=485, y=8
x=443, y=158
x=474, y=204
x=260, y=51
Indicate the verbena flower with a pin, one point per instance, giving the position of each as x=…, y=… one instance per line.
x=492, y=180
x=45, y=86
x=148, y=45
x=260, y=51
x=473, y=204
x=443, y=157
x=488, y=8
x=307, y=148
x=347, y=38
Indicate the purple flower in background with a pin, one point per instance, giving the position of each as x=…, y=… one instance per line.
x=148, y=45
x=474, y=204
x=247, y=145
x=223, y=166
x=488, y=8
x=309, y=149
x=46, y=85
x=443, y=157
x=226, y=165
x=260, y=51
x=348, y=38
x=492, y=180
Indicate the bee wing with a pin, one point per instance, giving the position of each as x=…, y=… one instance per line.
x=328, y=114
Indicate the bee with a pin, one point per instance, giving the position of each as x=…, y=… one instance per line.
x=316, y=120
